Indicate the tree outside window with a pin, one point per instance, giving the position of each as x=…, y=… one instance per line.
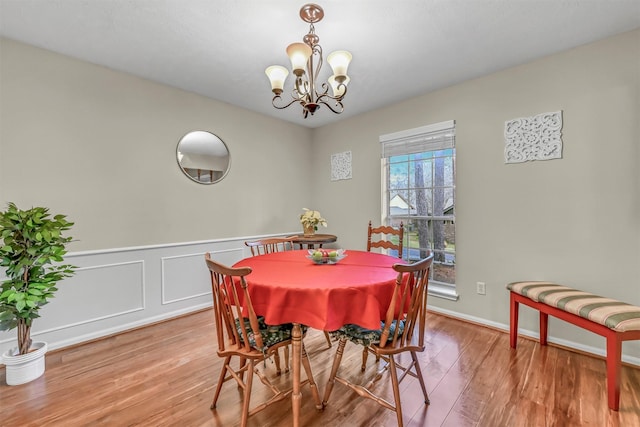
x=420, y=192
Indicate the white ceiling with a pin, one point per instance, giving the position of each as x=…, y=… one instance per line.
x=401, y=48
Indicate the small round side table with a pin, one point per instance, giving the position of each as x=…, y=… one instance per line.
x=311, y=241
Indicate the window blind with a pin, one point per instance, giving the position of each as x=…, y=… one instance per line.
x=438, y=136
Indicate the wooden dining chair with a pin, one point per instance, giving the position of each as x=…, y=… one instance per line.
x=384, y=238
x=277, y=244
x=243, y=335
x=402, y=332
x=270, y=245
x=267, y=246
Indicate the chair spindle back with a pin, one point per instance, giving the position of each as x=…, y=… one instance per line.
x=267, y=246
x=232, y=305
x=384, y=232
x=408, y=304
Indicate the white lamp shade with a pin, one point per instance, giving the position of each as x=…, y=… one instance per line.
x=337, y=89
x=277, y=75
x=299, y=54
x=339, y=61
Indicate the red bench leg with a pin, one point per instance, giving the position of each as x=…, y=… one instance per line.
x=513, y=324
x=614, y=339
x=614, y=363
x=544, y=327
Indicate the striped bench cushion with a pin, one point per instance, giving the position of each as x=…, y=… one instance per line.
x=613, y=314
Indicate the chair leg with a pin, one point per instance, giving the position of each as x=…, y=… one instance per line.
x=312, y=384
x=276, y=359
x=241, y=363
x=365, y=355
x=396, y=389
x=223, y=372
x=286, y=358
x=334, y=371
x=328, y=338
x=246, y=398
x=420, y=378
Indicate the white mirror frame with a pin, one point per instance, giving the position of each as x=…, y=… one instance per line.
x=203, y=157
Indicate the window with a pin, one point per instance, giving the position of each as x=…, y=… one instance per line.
x=419, y=190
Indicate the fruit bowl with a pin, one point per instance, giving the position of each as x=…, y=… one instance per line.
x=326, y=256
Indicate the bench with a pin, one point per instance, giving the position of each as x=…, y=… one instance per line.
x=614, y=320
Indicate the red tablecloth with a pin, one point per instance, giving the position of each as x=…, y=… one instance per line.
x=287, y=287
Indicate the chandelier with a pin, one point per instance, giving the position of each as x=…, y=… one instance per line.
x=304, y=56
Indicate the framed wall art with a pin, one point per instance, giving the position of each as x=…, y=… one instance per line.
x=533, y=138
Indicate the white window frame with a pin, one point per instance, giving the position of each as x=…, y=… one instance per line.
x=434, y=137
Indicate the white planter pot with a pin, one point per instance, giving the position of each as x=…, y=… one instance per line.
x=23, y=368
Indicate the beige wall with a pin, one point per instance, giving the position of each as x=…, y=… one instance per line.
x=575, y=220
x=100, y=146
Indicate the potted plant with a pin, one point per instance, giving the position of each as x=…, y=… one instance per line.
x=32, y=248
x=310, y=220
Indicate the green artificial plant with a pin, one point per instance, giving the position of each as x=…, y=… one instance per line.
x=33, y=245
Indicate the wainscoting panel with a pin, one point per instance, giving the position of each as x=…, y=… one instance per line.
x=96, y=293
x=119, y=289
x=186, y=276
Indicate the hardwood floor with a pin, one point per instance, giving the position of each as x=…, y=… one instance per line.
x=165, y=374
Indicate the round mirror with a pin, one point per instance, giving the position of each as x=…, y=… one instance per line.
x=203, y=157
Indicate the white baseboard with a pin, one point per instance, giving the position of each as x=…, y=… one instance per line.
x=536, y=335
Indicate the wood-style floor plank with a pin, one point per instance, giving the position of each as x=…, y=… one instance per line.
x=165, y=375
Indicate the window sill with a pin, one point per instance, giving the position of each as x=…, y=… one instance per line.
x=443, y=290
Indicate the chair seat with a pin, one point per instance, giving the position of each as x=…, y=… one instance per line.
x=366, y=337
x=271, y=334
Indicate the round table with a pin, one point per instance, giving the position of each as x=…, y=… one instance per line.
x=286, y=287
x=311, y=241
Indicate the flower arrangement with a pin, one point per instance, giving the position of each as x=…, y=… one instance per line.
x=311, y=219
